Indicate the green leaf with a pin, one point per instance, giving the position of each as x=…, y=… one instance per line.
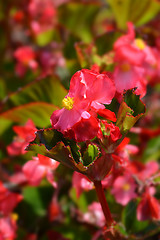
x=130, y=110
x=104, y=43
x=37, y=198
x=45, y=90
x=44, y=38
x=138, y=12
x=39, y=112
x=81, y=202
x=71, y=17
x=85, y=53
x=147, y=10
x=3, y=89
x=129, y=219
x=74, y=149
x=91, y=153
x=50, y=143
x=33, y=209
x=134, y=102
x=5, y=125
x=120, y=10
x=152, y=150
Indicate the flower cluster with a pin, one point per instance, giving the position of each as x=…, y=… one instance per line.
x=137, y=64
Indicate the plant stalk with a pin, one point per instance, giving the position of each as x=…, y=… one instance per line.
x=103, y=202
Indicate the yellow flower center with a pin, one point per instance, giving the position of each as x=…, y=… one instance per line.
x=140, y=43
x=126, y=187
x=14, y=216
x=68, y=102
x=125, y=67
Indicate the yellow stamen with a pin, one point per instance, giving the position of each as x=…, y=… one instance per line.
x=140, y=43
x=67, y=102
x=14, y=216
x=125, y=67
x=126, y=187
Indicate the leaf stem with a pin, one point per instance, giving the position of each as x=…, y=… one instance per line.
x=103, y=202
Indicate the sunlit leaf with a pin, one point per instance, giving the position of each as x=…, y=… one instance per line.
x=129, y=218
x=39, y=112
x=139, y=12
x=46, y=90
x=130, y=110
x=78, y=18
x=152, y=150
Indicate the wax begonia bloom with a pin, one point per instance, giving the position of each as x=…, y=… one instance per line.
x=54, y=210
x=26, y=57
x=148, y=208
x=18, y=178
x=38, y=168
x=134, y=63
x=123, y=189
x=144, y=171
x=86, y=129
x=25, y=54
x=88, y=92
x=122, y=152
x=81, y=183
x=94, y=215
x=113, y=132
x=127, y=38
x=42, y=15
x=25, y=134
x=8, y=200
x=127, y=76
x=8, y=228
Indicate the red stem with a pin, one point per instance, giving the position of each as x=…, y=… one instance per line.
x=103, y=202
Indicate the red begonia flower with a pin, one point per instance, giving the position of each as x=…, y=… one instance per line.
x=88, y=92
x=124, y=188
x=25, y=134
x=8, y=200
x=148, y=208
x=8, y=228
x=81, y=183
x=94, y=215
x=135, y=63
x=26, y=57
x=42, y=15
x=38, y=168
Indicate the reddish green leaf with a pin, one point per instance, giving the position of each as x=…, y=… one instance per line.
x=46, y=90
x=51, y=143
x=39, y=112
x=130, y=110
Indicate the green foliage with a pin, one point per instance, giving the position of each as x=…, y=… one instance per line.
x=38, y=199
x=36, y=101
x=90, y=154
x=138, y=12
x=39, y=112
x=152, y=150
x=78, y=18
x=130, y=221
x=45, y=90
x=131, y=109
x=134, y=227
x=44, y=38
x=51, y=143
